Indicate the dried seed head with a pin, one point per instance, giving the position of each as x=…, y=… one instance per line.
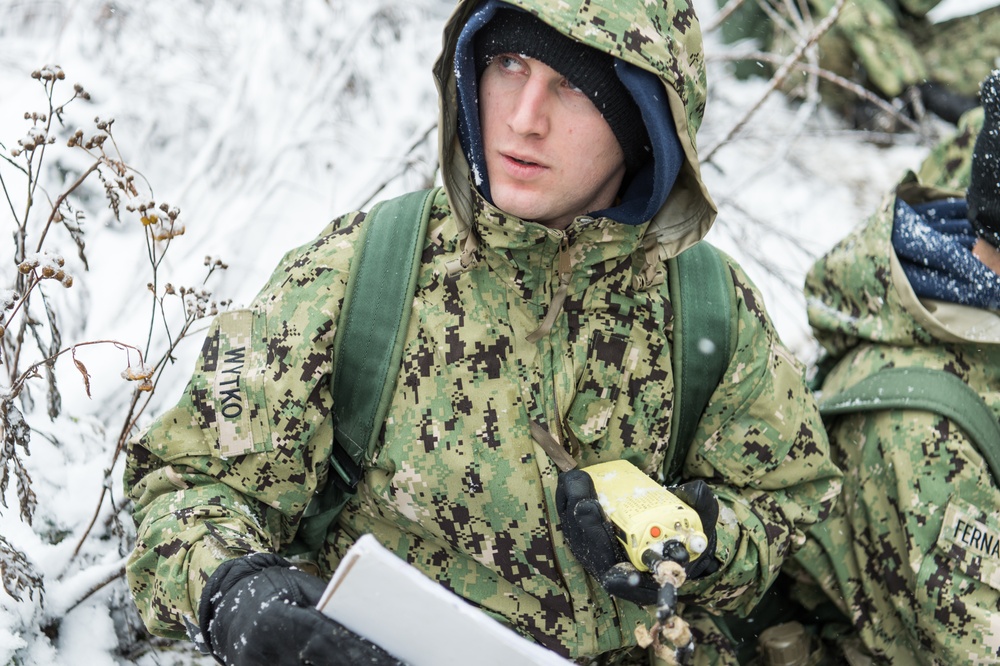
x=137, y=372
x=67, y=281
x=166, y=233
x=8, y=298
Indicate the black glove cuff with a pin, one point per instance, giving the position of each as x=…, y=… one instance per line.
x=224, y=579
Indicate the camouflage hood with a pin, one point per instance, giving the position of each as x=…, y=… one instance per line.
x=858, y=292
x=663, y=38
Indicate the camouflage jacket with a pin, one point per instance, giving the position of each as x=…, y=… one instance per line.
x=886, y=45
x=911, y=552
x=459, y=488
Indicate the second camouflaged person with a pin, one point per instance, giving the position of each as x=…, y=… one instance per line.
x=910, y=556
x=890, y=47
x=542, y=314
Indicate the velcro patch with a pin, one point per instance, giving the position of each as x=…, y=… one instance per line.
x=972, y=538
x=230, y=392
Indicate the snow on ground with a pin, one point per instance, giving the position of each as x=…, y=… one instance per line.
x=261, y=121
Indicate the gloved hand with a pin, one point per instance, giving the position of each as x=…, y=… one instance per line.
x=258, y=610
x=591, y=537
x=697, y=495
x=944, y=102
x=984, y=191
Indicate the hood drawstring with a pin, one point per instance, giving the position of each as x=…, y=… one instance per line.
x=555, y=307
x=468, y=258
x=651, y=273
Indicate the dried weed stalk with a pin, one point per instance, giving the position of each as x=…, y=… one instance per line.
x=31, y=324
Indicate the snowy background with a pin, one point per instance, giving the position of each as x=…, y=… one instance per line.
x=261, y=120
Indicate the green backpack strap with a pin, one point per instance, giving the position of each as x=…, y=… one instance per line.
x=703, y=298
x=928, y=390
x=368, y=349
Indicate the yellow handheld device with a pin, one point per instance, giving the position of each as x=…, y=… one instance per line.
x=644, y=514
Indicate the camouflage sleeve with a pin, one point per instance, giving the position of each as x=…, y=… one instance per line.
x=880, y=44
x=765, y=453
x=949, y=164
x=229, y=469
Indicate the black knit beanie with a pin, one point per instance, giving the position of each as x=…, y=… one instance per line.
x=592, y=71
x=984, y=188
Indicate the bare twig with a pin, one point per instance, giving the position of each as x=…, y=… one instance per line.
x=108, y=575
x=59, y=202
x=405, y=164
x=723, y=14
x=827, y=75
x=779, y=77
x=785, y=23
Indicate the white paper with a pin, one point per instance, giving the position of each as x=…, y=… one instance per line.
x=379, y=596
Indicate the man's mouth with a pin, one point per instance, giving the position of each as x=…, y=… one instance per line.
x=522, y=161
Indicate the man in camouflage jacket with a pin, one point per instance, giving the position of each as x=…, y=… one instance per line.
x=911, y=553
x=517, y=326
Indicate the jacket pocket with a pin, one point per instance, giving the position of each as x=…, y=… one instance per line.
x=599, y=387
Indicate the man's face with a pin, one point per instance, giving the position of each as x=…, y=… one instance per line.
x=550, y=155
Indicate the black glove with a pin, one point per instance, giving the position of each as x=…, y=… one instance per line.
x=260, y=610
x=592, y=540
x=984, y=189
x=944, y=102
x=697, y=495
x=591, y=537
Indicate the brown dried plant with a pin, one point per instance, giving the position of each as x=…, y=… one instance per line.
x=31, y=338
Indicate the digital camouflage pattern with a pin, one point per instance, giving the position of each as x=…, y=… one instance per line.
x=912, y=551
x=459, y=488
x=886, y=45
x=949, y=165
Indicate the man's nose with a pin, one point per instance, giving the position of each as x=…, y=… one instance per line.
x=530, y=114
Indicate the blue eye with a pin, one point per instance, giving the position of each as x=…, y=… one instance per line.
x=508, y=61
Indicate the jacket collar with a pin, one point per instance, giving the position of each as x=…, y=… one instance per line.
x=529, y=256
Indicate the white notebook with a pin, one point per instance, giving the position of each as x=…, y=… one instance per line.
x=379, y=596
